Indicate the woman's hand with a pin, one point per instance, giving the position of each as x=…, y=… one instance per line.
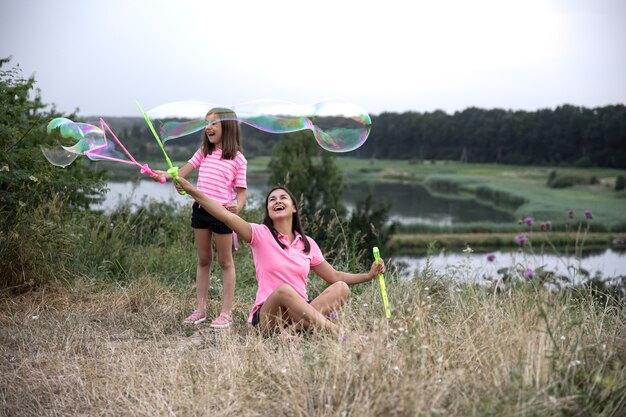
x=182, y=184
x=377, y=268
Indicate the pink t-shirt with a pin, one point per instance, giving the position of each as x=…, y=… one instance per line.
x=275, y=265
x=218, y=177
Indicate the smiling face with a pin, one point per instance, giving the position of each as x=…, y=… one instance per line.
x=213, y=129
x=280, y=205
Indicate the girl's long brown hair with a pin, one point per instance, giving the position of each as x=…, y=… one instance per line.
x=231, y=134
x=296, y=225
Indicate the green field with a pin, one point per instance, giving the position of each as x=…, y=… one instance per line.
x=527, y=183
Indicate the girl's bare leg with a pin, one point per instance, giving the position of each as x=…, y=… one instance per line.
x=203, y=271
x=224, y=244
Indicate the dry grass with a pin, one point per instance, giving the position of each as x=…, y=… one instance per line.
x=456, y=350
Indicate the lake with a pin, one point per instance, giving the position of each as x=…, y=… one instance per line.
x=475, y=267
x=409, y=204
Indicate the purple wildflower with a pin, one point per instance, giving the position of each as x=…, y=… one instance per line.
x=332, y=315
x=491, y=257
x=521, y=239
x=529, y=273
x=571, y=214
x=588, y=214
x=529, y=221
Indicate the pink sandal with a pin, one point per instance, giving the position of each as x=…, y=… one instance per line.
x=196, y=317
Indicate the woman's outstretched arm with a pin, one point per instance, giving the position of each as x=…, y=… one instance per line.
x=239, y=225
x=331, y=275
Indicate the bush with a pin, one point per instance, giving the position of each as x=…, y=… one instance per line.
x=567, y=181
x=35, y=197
x=620, y=183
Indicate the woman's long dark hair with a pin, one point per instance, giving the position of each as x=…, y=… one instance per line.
x=296, y=225
x=231, y=134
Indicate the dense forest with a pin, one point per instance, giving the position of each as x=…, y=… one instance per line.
x=567, y=135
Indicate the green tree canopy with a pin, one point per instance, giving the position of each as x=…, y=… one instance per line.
x=26, y=177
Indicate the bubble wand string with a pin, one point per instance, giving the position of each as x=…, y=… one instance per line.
x=144, y=169
x=173, y=171
x=381, y=281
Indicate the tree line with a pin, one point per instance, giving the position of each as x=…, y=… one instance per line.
x=567, y=135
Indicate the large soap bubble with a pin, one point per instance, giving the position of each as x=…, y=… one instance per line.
x=338, y=126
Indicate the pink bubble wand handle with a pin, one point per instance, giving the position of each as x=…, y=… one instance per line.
x=145, y=169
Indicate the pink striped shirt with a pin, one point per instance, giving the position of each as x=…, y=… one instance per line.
x=275, y=265
x=218, y=177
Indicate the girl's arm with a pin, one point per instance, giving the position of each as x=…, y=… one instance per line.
x=331, y=275
x=241, y=200
x=239, y=225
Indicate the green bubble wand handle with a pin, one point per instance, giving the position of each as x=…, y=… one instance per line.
x=173, y=171
x=381, y=281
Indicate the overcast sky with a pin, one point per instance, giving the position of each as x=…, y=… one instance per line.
x=387, y=55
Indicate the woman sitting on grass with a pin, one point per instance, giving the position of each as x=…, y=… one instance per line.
x=283, y=256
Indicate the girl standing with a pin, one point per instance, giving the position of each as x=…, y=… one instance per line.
x=222, y=178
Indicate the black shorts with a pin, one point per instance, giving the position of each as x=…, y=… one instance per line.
x=256, y=317
x=200, y=219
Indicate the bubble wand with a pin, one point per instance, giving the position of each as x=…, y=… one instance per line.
x=173, y=171
x=381, y=281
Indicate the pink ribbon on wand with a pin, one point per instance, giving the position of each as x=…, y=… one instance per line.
x=235, y=241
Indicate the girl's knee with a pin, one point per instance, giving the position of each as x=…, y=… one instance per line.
x=205, y=261
x=226, y=263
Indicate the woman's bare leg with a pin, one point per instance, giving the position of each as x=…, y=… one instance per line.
x=285, y=303
x=331, y=298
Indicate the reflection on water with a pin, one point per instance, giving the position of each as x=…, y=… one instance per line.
x=475, y=267
x=413, y=203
